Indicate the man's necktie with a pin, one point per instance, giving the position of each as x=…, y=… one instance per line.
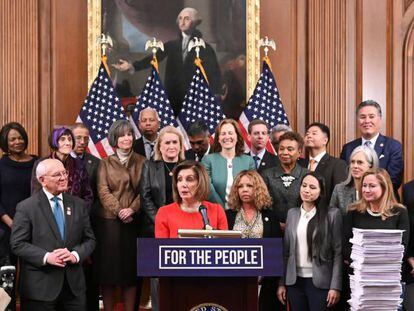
x=60, y=220
x=312, y=165
x=368, y=144
x=151, y=151
x=256, y=161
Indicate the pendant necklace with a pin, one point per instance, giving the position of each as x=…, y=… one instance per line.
x=168, y=169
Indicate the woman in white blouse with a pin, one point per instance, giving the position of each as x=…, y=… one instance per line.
x=312, y=251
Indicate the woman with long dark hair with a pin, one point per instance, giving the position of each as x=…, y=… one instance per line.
x=312, y=251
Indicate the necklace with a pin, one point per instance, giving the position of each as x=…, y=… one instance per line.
x=168, y=169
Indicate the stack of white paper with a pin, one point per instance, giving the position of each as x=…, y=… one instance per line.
x=376, y=259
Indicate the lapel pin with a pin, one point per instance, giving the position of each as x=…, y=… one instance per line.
x=266, y=219
x=381, y=144
x=68, y=211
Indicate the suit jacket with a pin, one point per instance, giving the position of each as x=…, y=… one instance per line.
x=271, y=227
x=283, y=198
x=35, y=233
x=389, y=153
x=92, y=164
x=190, y=155
x=326, y=268
x=152, y=194
x=333, y=170
x=138, y=146
x=342, y=196
x=216, y=166
x=269, y=160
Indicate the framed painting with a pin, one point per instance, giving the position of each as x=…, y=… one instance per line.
x=230, y=29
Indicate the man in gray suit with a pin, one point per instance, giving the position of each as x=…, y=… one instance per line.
x=52, y=236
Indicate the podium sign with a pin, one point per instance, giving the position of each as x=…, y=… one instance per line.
x=210, y=257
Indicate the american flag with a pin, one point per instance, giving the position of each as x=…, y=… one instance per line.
x=154, y=96
x=101, y=108
x=200, y=103
x=264, y=104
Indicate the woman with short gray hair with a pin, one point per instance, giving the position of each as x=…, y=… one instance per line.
x=362, y=158
x=118, y=188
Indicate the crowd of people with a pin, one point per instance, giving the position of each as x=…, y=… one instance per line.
x=72, y=220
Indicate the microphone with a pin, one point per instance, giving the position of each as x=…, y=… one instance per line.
x=203, y=211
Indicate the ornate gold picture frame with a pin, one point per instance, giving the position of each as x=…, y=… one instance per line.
x=252, y=39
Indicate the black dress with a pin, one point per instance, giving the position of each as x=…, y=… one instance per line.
x=271, y=229
x=14, y=187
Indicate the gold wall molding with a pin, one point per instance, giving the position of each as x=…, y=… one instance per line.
x=94, y=32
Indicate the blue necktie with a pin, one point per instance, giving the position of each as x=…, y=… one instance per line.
x=256, y=161
x=60, y=220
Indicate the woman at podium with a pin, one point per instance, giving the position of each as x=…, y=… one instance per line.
x=312, y=251
x=249, y=203
x=190, y=191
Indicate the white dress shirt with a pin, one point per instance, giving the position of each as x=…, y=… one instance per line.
x=303, y=262
x=260, y=155
x=372, y=140
x=52, y=205
x=317, y=159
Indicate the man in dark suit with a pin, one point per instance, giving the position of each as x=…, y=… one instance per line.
x=199, y=138
x=180, y=66
x=389, y=150
x=81, y=134
x=333, y=170
x=148, y=124
x=258, y=131
x=52, y=235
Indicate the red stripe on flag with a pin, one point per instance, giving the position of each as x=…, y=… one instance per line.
x=269, y=147
x=101, y=150
x=244, y=134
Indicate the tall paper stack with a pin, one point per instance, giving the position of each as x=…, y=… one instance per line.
x=376, y=259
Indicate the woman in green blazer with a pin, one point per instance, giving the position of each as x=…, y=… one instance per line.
x=226, y=161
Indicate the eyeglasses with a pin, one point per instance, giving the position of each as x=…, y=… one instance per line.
x=59, y=174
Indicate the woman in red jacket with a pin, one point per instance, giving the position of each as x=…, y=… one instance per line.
x=190, y=190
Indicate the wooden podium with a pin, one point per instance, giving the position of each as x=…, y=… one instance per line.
x=199, y=274
x=182, y=293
